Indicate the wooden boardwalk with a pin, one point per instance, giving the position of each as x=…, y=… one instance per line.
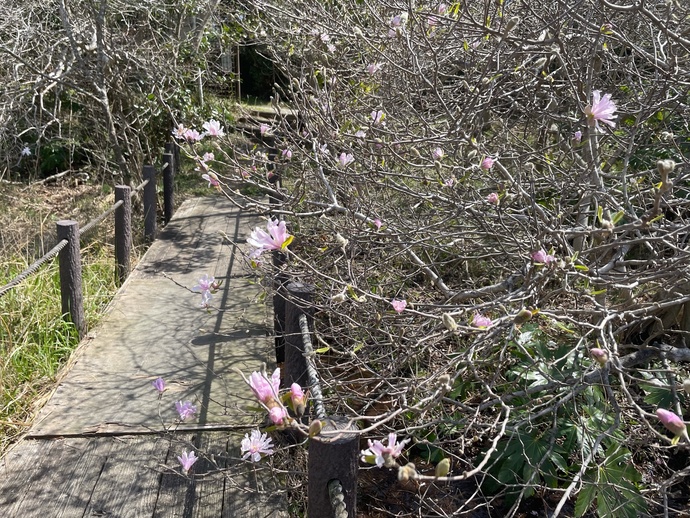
x=105, y=444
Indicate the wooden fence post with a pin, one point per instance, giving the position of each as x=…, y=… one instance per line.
x=299, y=297
x=150, y=203
x=333, y=457
x=174, y=150
x=168, y=187
x=123, y=232
x=280, y=279
x=70, y=275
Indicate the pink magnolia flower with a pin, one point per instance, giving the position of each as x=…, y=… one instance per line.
x=601, y=110
x=213, y=128
x=479, y=320
x=384, y=455
x=277, y=238
x=599, y=355
x=577, y=136
x=377, y=116
x=264, y=128
x=449, y=182
x=437, y=153
x=442, y=8
x=192, y=135
x=345, y=159
x=540, y=256
x=671, y=421
x=187, y=460
x=487, y=163
x=180, y=131
x=159, y=385
x=206, y=285
x=399, y=305
x=287, y=154
x=492, y=198
x=277, y=415
x=378, y=223
x=185, y=410
x=211, y=178
x=265, y=390
x=372, y=68
x=208, y=157
x=255, y=446
x=361, y=134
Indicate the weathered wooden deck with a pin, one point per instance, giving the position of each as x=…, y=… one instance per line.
x=105, y=444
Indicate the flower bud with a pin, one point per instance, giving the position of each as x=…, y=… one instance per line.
x=512, y=23
x=315, y=428
x=298, y=399
x=407, y=472
x=444, y=382
x=665, y=167
x=339, y=297
x=449, y=322
x=671, y=421
x=599, y=355
x=524, y=315
x=443, y=468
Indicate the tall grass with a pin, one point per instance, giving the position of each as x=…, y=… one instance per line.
x=35, y=341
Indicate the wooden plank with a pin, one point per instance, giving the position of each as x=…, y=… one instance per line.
x=18, y=468
x=156, y=328
x=200, y=492
x=128, y=483
x=67, y=490
x=219, y=485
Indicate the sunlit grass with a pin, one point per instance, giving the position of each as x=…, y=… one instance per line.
x=35, y=341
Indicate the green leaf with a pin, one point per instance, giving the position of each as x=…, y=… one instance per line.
x=585, y=499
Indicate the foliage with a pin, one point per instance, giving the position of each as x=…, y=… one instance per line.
x=482, y=195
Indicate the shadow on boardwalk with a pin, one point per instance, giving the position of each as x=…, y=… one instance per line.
x=106, y=444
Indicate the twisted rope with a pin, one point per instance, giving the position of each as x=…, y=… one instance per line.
x=56, y=249
x=335, y=488
x=335, y=491
x=314, y=385
x=34, y=267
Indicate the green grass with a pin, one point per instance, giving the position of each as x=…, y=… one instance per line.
x=35, y=341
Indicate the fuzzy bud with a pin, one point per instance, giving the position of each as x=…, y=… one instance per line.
x=512, y=23
x=523, y=316
x=444, y=383
x=665, y=167
x=339, y=297
x=341, y=240
x=315, y=428
x=443, y=468
x=407, y=472
x=449, y=322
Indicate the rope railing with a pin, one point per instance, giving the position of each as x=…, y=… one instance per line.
x=335, y=487
x=333, y=456
x=69, y=233
x=53, y=252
